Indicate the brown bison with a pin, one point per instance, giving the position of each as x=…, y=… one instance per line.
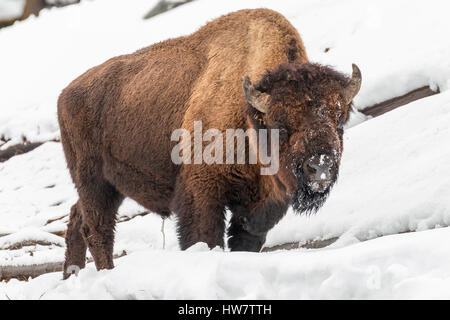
x=117, y=119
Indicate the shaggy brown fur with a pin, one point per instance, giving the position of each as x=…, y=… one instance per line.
x=116, y=121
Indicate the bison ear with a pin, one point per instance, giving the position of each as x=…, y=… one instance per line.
x=256, y=98
x=352, y=88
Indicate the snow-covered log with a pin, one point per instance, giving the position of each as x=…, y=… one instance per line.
x=17, y=149
x=24, y=272
x=391, y=104
x=313, y=244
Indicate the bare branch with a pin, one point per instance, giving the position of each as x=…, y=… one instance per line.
x=163, y=6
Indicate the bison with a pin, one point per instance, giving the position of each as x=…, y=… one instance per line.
x=247, y=69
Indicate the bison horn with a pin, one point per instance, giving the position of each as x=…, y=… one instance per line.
x=256, y=98
x=352, y=89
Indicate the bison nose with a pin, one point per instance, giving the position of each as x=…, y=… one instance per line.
x=317, y=171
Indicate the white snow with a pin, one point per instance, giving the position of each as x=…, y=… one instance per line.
x=51, y=251
x=29, y=234
x=10, y=9
x=395, y=267
x=394, y=175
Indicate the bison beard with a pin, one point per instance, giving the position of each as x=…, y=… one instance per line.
x=307, y=201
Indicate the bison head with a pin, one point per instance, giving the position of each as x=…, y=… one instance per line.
x=309, y=104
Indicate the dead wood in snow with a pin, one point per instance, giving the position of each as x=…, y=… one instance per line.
x=312, y=244
x=391, y=104
x=163, y=6
x=17, y=149
x=24, y=272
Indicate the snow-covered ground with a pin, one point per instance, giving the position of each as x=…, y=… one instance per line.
x=394, y=177
x=10, y=9
x=400, y=266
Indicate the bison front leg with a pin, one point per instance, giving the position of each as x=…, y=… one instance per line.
x=243, y=239
x=200, y=221
x=200, y=215
x=248, y=229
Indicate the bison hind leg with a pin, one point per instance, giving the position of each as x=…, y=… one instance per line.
x=75, y=244
x=99, y=202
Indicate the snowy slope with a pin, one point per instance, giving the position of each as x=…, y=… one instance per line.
x=10, y=9
x=408, y=266
x=393, y=178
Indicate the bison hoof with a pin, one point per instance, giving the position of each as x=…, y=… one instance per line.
x=245, y=241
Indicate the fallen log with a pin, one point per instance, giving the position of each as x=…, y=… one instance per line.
x=312, y=244
x=18, y=149
x=391, y=104
x=34, y=7
x=27, y=243
x=24, y=272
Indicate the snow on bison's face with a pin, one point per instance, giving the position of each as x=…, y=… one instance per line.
x=309, y=105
